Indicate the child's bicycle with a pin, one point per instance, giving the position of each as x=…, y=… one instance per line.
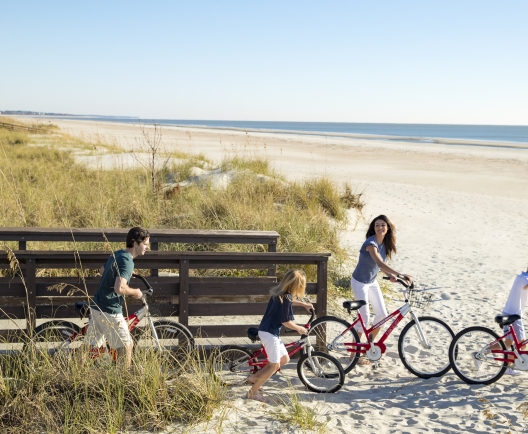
x=422, y=346
x=61, y=337
x=479, y=356
x=319, y=372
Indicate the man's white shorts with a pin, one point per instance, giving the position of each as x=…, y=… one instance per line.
x=274, y=347
x=108, y=327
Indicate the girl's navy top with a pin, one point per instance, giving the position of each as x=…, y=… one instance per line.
x=277, y=312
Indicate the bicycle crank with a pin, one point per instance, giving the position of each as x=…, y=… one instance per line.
x=521, y=362
x=374, y=352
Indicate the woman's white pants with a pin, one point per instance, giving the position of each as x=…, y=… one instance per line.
x=371, y=293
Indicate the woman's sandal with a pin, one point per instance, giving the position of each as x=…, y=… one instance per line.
x=257, y=397
x=363, y=361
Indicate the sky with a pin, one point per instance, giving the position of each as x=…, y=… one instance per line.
x=454, y=62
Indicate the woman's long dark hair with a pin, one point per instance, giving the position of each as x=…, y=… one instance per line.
x=390, y=236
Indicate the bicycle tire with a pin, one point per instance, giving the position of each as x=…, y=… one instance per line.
x=325, y=330
x=55, y=336
x=175, y=339
x=462, y=352
x=231, y=365
x=426, y=362
x=326, y=375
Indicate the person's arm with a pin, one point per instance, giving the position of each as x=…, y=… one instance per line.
x=101, y=270
x=307, y=306
x=121, y=287
x=389, y=271
x=292, y=326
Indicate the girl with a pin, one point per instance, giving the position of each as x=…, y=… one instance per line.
x=278, y=313
x=380, y=244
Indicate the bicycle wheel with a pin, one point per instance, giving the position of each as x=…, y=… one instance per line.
x=174, y=338
x=55, y=336
x=328, y=334
x=471, y=356
x=320, y=372
x=231, y=365
x=426, y=362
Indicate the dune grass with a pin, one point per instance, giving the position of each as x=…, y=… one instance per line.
x=42, y=186
x=69, y=393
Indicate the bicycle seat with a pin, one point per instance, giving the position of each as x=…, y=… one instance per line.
x=253, y=334
x=506, y=320
x=353, y=305
x=83, y=308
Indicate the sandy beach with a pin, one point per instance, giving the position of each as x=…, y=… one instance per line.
x=461, y=214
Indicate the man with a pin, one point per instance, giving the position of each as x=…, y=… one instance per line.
x=107, y=323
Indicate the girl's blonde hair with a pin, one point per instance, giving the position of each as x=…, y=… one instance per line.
x=293, y=282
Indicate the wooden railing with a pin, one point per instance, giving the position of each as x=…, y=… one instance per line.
x=184, y=295
x=157, y=236
x=15, y=127
x=23, y=235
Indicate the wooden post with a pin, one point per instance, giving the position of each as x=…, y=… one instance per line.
x=322, y=288
x=154, y=246
x=272, y=247
x=183, y=314
x=22, y=244
x=31, y=288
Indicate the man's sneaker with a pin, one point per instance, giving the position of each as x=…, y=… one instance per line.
x=511, y=371
x=477, y=361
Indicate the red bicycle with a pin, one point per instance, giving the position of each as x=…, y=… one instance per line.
x=422, y=346
x=319, y=372
x=479, y=356
x=59, y=336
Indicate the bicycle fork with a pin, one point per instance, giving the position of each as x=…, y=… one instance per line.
x=154, y=333
x=421, y=334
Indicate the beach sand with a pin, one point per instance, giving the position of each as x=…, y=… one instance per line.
x=461, y=213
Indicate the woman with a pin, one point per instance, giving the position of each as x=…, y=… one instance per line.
x=379, y=245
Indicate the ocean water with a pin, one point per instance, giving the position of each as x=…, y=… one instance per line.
x=420, y=132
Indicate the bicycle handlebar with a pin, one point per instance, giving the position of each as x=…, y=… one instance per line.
x=307, y=325
x=401, y=280
x=149, y=290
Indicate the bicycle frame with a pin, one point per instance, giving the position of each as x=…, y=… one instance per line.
x=516, y=353
x=397, y=316
x=257, y=365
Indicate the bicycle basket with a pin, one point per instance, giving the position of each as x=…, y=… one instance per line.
x=420, y=298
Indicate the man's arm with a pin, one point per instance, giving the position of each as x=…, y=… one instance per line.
x=121, y=287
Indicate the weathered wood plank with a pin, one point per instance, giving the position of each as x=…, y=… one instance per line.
x=156, y=235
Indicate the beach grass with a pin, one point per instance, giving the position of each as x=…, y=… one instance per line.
x=43, y=186
x=70, y=393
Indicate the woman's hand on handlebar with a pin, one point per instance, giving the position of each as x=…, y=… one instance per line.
x=407, y=278
x=400, y=277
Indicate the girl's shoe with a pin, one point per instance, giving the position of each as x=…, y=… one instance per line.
x=511, y=371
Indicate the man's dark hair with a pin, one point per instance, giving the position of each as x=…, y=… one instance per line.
x=136, y=234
